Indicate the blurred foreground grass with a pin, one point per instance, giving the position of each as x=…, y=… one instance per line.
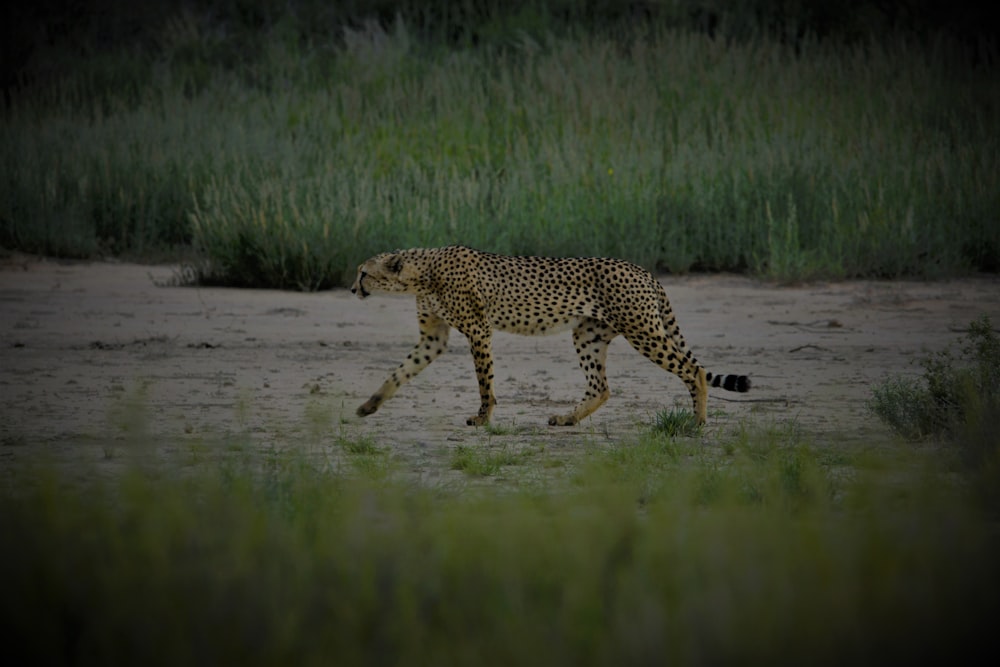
x=757, y=548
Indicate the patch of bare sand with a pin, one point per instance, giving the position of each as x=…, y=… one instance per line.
x=95, y=356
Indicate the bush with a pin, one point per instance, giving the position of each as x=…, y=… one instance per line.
x=957, y=398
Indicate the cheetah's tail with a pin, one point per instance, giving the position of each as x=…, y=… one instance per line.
x=740, y=383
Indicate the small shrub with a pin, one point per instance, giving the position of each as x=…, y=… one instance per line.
x=902, y=403
x=957, y=396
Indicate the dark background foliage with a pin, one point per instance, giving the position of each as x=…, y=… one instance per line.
x=44, y=40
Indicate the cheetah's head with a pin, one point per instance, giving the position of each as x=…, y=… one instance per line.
x=388, y=272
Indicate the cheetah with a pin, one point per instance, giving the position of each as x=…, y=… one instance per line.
x=479, y=293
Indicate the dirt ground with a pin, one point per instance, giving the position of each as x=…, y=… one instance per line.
x=96, y=355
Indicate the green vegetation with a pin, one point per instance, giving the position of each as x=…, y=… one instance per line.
x=956, y=393
x=284, y=147
x=956, y=402
x=764, y=549
x=482, y=461
x=674, y=423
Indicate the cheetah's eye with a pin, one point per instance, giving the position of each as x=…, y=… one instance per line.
x=395, y=264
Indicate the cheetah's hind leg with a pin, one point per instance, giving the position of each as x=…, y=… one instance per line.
x=664, y=351
x=591, y=338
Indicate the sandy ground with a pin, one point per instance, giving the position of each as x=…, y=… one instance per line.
x=94, y=356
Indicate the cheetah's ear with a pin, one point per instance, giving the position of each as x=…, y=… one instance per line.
x=394, y=263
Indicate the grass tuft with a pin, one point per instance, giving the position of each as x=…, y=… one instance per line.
x=482, y=461
x=676, y=424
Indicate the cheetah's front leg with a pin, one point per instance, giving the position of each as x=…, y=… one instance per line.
x=433, y=340
x=481, y=344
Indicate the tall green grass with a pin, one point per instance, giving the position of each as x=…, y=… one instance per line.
x=663, y=146
x=654, y=551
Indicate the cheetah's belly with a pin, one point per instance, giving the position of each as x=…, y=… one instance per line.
x=532, y=311
x=534, y=325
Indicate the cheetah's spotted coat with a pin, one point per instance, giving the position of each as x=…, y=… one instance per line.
x=478, y=292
